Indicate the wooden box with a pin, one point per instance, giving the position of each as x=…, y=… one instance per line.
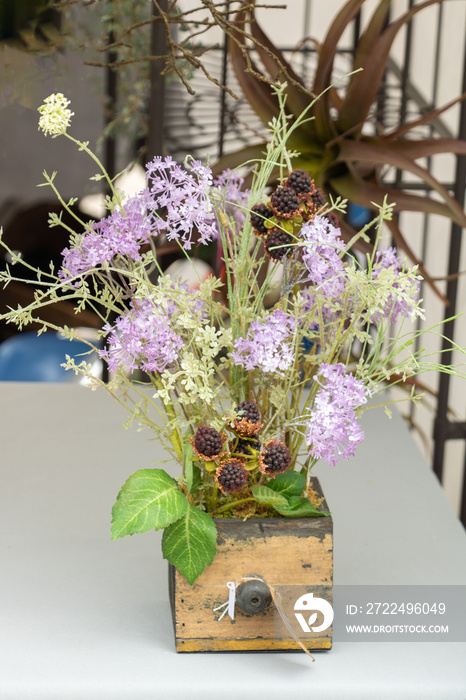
x=293, y=554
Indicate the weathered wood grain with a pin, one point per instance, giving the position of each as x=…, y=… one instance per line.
x=285, y=552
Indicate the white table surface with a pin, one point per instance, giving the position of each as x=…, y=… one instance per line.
x=85, y=618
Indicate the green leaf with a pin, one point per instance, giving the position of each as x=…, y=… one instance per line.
x=288, y=484
x=190, y=543
x=197, y=480
x=287, y=226
x=268, y=497
x=299, y=507
x=149, y=500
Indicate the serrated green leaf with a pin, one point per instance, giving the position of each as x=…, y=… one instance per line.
x=299, y=507
x=268, y=497
x=190, y=543
x=149, y=500
x=288, y=484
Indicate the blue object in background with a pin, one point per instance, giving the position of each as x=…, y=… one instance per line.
x=358, y=216
x=28, y=357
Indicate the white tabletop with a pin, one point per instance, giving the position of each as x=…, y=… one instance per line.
x=85, y=618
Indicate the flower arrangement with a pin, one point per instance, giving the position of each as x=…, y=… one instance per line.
x=246, y=394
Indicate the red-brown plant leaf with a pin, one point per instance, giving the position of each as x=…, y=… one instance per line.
x=424, y=148
x=323, y=78
x=371, y=33
x=363, y=87
x=243, y=156
x=359, y=151
x=256, y=90
x=363, y=193
x=297, y=97
x=425, y=119
x=329, y=46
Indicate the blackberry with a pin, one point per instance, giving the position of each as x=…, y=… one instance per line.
x=259, y=214
x=278, y=244
x=316, y=198
x=245, y=446
x=231, y=476
x=248, y=419
x=300, y=181
x=274, y=458
x=207, y=443
x=284, y=202
x=249, y=410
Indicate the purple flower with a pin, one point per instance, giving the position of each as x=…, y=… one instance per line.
x=387, y=258
x=403, y=302
x=321, y=251
x=333, y=431
x=118, y=234
x=180, y=203
x=235, y=199
x=266, y=344
x=141, y=338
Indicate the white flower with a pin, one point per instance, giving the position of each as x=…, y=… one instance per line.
x=55, y=115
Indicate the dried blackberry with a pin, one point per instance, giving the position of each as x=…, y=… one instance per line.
x=248, y=419
x=259, y=214
x=207, y=443
x=274, y=458
x=300, y=181
x=246, y=446
x=278, y=244
x=284, y=202
x=332, y=218
x=231, y=476
x=315, y=200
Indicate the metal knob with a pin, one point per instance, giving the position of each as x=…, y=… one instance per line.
x=253, y=597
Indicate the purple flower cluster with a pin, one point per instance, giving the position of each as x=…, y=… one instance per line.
x=141, y=338
x=266, y=345
x=386, y=258
x=321, y=255
x=118, y=234
x=397, y=305
x=333, y=431
x=180, y=203
x=234, y=198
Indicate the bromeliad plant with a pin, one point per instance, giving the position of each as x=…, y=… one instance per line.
x=246, y=398
x=345, y=147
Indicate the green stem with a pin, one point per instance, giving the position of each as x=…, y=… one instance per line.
x=83, y=147
x=233, y=505
x=214, y=497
